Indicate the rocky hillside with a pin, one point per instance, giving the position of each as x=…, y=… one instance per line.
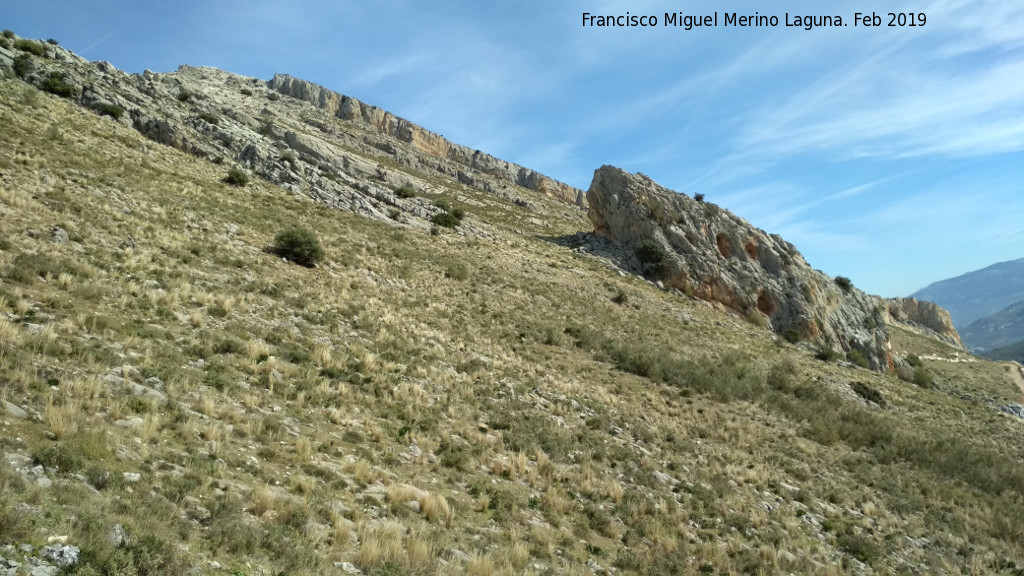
x=465, y=380
x=925, y=317
x=701, y=249
x=226, y=118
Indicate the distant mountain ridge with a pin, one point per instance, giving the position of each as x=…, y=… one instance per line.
x=977, y=294
x=997, y=330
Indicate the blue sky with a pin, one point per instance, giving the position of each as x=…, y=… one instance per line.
x=893, y=156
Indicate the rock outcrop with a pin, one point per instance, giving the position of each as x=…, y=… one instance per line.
x=309, y=140
x=926, y=317
x=706, y=251
x=387, y=124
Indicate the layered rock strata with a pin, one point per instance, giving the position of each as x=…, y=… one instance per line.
x=707, y=251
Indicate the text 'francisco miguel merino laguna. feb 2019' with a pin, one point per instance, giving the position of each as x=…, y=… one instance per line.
x=755, y=20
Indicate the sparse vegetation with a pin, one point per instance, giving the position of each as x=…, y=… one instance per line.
x=844, y=283
x=441, y=405
x=30, y=47
x=184, y=96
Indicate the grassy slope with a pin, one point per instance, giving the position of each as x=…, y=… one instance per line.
x=421, y=394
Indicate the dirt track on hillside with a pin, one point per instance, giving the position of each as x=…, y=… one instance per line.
x=1017, y=375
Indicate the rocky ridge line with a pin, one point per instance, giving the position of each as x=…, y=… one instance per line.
x=386, y=123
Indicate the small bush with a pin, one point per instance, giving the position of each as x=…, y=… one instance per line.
x=868, y=393
x=791, y=335
x=56, y=85
x=825, y=352
x=857, y=357
x=8, y=34
x=52, y=42
x=23, y=65
x=299, y=245
x=698, y=197
x=914, y=360
x=620, y=297
x=246, y=92
x=184, y=96
x=236, y=177
x=844, y=283
x=273, y=96
x=405, y=192
x=445, y=219
x=209, y=118
x=61, y=456
x=112, y=110
x=30, y=47
x=289, y=157
x=653, y=258
x=923, y=378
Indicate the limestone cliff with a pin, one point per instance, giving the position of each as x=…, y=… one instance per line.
x=707, y=251
x=387, y=124
x=924, y=316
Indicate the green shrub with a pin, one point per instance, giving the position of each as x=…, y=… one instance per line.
x=56, y=85
x=8, y=34
x=791, y=335
x=857, y=357
x=698, y=197
x=844, y=283
x=405, y=192
x=236, y=177
x=620, y=297
x=112, y=110
x=825, y=352
x=298, y=245
x=914, y=360
x=52, y=42
x=209, y=118
x=923, y=378
x=60, y=455
x=184, y=96
x=868, y=393
x=246, y=92
x=273, y=96
x=23, y=65
x=653, y=258
x=445, y=219
x=30, y=47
